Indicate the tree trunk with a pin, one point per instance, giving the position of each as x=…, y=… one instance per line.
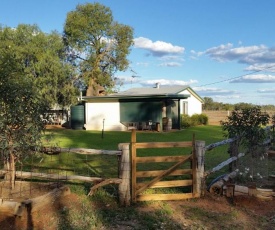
x=9, y=166
x=94, y=89
x=90, y=91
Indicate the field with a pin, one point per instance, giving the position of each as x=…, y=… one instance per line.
x=214, y=117
x=101, y=211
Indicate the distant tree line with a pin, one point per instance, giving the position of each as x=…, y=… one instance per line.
x=210, y=104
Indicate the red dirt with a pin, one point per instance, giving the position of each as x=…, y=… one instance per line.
x=250, y=212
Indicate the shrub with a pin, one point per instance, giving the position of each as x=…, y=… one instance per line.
x=185, y=121
x=203, y=119
x=199, y=119
x=194, y=120
x=247, y=124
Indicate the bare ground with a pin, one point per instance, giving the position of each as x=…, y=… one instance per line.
x=209, y=212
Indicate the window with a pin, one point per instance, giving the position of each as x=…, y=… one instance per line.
x=184, y=107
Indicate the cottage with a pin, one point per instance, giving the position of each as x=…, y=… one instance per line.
x=156, y=108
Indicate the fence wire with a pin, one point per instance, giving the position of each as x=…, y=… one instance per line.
x=46, y=172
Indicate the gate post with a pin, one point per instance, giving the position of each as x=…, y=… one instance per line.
x=200, y=153
x=124, y=174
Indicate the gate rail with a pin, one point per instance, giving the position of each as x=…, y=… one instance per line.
x=196, y=170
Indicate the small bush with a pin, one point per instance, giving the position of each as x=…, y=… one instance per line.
x=185, y=121
x=203, y=119
x=194, y=120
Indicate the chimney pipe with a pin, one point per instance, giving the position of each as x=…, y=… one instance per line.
x=157, y=85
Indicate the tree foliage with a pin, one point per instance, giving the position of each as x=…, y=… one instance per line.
x=27, y=52
x=33, y=77
x=97, y=45
x=21, y=106
x=210, y=104
x=246, y=124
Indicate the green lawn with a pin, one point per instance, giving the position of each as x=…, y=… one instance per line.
x=111, y=139
x=106, y=166
x=102, y=209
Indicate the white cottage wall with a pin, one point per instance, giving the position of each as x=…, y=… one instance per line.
x=107, y=112
x=194, y=105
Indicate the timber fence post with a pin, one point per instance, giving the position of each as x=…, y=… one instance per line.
x=200, y=153
x=125, y=175
x=233, y=152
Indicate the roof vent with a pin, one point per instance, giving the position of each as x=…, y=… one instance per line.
x=157, y=85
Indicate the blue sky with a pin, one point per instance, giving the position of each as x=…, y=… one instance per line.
x=223, y=49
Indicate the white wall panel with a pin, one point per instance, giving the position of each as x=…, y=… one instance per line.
x=108, y=112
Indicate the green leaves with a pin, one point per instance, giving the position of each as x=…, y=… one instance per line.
x=34, y=75
x=100, y=44
x=27, y=52
x=247, y=124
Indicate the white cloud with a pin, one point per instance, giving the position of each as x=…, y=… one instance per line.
x=128, y=80
x=171, y=64
x=261, y=67
x=219, y=95
x=167, y=82
x=157, y=48
x=137, y=80
x=231, y=99
x=271, y=90
x=171, y=61
x=172, y=58
x=208, y=91
x=257, y=78
x=250, y=55
x=196, y=54
x=145, y=64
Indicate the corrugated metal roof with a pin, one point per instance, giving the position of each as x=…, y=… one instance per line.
x=162, y=90
x=134, y=96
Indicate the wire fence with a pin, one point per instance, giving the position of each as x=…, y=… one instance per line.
x=41, y=172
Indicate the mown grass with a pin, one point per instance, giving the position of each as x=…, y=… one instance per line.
x=110, y=140
x=106, y=166
x=102, y=211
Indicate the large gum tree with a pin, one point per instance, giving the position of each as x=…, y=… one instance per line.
x=97, y=44
x=34, y=75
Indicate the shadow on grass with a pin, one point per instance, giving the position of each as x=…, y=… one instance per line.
x=139, y=216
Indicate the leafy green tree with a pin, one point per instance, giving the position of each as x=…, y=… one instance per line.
x=34, y=76
x=227, y=106
x=41, y=58
x=208, y=103
x=21, y=106
x=246, y=125
x=97, y=44
x=243, y=106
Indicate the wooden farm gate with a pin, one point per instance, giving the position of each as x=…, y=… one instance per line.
x=158, y=178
